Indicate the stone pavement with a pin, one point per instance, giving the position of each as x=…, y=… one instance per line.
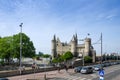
x=51, y=75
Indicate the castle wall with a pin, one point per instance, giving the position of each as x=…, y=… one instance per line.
x=61, y=49
x=80, y=51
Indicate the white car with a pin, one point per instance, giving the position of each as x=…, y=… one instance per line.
x=87, y=69
x=96, y=67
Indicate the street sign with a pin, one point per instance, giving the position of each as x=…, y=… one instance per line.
x=101, y=73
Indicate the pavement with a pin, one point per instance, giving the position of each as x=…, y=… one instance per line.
x=51, y=75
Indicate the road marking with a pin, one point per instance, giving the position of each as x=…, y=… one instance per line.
x=83, y=78
x=94, y=75
x=78, y=78
x=89, y=79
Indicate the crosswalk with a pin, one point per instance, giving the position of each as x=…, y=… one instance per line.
x=73, y=77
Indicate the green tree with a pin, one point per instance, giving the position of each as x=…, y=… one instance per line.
x=88, y=59
x=55, y=60
x=5, y=48
x=40, y=54
x=68, y=55
x=28, y=49
x=46, y=55
x=10, y=47
x=60, y=58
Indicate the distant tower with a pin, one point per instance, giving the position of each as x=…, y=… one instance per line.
x=87, y=46
x=74, y=45
x=54, y=51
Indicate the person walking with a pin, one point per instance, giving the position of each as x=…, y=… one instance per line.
x=58, y=66
x=66, y=67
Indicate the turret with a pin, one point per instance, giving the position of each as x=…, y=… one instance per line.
x=54, y=52
x=74, y=46
x=87, y=46
x=93, y=56
x=76, y=39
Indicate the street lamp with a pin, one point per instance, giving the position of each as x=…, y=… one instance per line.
x=83, y=58
x=20, y=47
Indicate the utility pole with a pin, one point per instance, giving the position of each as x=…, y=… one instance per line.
x=101, y=48
x=20, y=47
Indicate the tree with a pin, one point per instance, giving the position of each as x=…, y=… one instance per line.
x=28, y=49
x=40, y=54
x=68, y=55
x=46, y=55
x=60, y=58
x=10, y=47
x=88, y=59
x=104, y=57
x=55, y=60
x=6, y=48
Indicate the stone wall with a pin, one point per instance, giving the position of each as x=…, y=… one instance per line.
x=26, y=71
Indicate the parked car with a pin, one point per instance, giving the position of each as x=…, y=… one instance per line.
x=77, y=69
x=97, y=67
x=4, y=79
x=87, y=69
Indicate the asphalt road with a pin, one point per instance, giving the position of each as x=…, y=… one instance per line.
x=111, y=73
x=115, y=75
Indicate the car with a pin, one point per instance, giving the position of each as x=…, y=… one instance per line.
x=77, y=69
x=97, y=67
x=87, y=69
x=4, y=79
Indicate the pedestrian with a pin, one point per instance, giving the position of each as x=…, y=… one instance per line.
x=101, y=74
x=58, y=66
x=66, y=67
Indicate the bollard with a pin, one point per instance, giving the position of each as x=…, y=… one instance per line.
x=45, y=77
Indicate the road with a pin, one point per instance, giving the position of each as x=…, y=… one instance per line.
x=111, y=73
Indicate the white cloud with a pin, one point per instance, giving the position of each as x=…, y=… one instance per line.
x=110, y=17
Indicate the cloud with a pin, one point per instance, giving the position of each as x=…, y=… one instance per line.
x=110, y=17
x=106, y=16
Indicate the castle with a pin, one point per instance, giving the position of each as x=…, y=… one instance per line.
x=78, y=50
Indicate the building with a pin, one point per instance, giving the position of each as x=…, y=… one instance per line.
x=78, y=50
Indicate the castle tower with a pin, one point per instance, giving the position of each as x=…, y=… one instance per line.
x=74, y=45
x=87, y=46
x=54, y=51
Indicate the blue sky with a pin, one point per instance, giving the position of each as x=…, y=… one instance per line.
x=43, y=18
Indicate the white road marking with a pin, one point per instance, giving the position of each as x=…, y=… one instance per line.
x=78, y=78
x=89, y=79
x=83, y=79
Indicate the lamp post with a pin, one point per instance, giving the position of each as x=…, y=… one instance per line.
x=20, y=47
x=83, y=58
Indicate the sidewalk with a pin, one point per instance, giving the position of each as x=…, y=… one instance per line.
x=51, y=75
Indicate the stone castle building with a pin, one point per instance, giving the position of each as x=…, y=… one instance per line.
x=78, y=50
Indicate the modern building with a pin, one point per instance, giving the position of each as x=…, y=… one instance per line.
x=78, y=50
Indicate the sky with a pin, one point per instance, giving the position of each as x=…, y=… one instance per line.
x=43, y=18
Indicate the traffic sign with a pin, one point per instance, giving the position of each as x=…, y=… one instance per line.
x=101, y=73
